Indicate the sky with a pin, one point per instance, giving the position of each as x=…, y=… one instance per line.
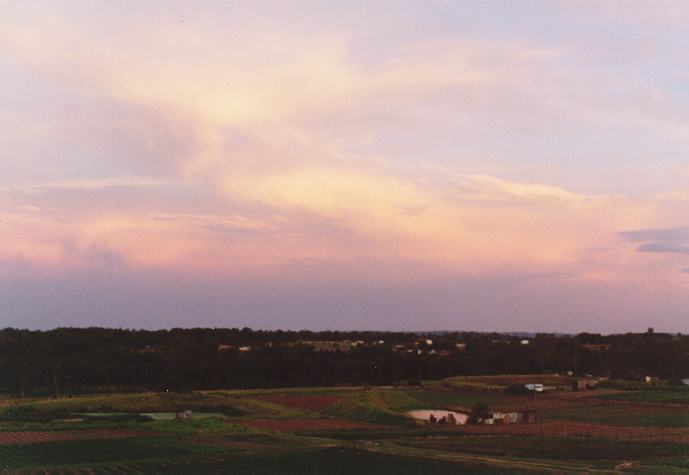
x=435, y=165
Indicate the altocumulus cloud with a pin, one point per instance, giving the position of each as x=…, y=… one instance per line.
x=660, y=240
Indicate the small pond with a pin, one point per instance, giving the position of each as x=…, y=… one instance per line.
x=451, y=417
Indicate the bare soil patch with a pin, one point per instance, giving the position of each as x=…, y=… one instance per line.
x=292, y=425
x=34, y=437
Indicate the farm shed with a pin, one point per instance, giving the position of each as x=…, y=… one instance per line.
x=583, y=384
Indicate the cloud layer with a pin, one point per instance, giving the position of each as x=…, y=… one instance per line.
x=340, y=166
x=663, y=240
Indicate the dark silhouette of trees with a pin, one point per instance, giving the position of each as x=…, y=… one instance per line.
x=74, y=360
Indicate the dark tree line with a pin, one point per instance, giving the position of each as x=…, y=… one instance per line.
x=69, y=360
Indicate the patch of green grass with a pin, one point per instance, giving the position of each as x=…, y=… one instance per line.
x=258, y=407
x=392, y=399
x=446, y=399
x=360, y=411
x=368, y=406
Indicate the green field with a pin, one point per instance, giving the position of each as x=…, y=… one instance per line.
x=343, y=430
